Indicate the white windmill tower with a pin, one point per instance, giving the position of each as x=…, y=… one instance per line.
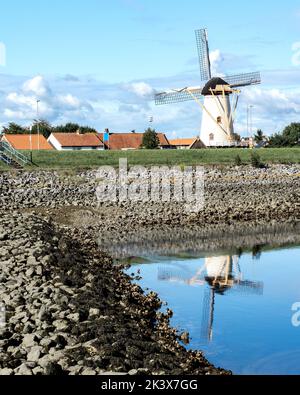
x=221, y=97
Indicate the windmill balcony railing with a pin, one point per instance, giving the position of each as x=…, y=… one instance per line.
x=12, y=154
x=223, y=144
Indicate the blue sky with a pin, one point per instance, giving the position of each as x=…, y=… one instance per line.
x=98, y=62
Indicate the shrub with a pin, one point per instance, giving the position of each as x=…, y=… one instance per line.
x=238, y=161
x=256, y=161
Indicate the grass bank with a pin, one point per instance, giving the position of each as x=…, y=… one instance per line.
x=93, y=159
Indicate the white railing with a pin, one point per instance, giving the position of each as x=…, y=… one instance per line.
x=8, y=154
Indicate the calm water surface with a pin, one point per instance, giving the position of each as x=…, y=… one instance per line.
x=237, y=308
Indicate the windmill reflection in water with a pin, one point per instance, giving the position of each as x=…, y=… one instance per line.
x=220, y=275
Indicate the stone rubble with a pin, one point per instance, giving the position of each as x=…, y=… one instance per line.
x=71, y=311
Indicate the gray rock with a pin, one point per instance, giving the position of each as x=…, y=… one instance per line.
x=74, y=317
x=23, y=370
x=44, y=361
x=43, y=314
x=47, y=343
x=34, y=354
x=88, y=372
x=6, y=372
x=133, y=372
x=31, y=261
x=61, y=325
x=38, y=371
x=29, y=340
x=75, y=370
x=93, y=313
x=29, y=272
x=55, y=356
x=64, y=363
x=39, y=270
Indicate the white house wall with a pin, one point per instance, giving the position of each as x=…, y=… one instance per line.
x=82, y=149
x=55, y=144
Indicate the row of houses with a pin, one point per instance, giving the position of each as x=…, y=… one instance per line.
x=77, y=141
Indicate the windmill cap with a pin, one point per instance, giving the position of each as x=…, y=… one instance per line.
x=212, y=84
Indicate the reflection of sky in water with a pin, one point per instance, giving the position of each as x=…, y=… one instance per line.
x=252, y=334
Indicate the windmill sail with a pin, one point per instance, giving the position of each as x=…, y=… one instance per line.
x=240, y=80
x=208, y=310
x=178, y=96
x=248, y=288
x=203, y=52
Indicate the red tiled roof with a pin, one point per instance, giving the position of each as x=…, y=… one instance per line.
x=22, y=142
x=121, y=141
x=78, y=140
x=183, y=142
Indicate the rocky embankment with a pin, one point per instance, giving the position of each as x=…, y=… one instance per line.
x=232, y=195
x=70, y=311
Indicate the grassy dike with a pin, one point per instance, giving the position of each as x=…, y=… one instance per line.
x=93, y=159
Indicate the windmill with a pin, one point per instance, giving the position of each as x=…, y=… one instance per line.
x=221, y=96
x=222, y=274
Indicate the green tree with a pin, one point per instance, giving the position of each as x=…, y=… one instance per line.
x=67, y=128
x=290, y=137
x=150, y=139
x=291, y=134
x=45, y=128
x=74, y=128
x=277, y=141
x=87, y=130
x=259, y=137
x=14, y=128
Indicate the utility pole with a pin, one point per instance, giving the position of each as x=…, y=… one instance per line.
x=38, y=122
x=30, y=139
x=251, y=120
x=250, y=124
x=151, y=120
x=248, y=134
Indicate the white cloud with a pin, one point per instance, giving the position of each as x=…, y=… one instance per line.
x=14, y=114
x=22, y=104
x=296, y=55
x=216, y=59
x=273, y=102
x=273, y=109
x=141, y=89
x=69, y=100
x=38, y=86
x=21, y=99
